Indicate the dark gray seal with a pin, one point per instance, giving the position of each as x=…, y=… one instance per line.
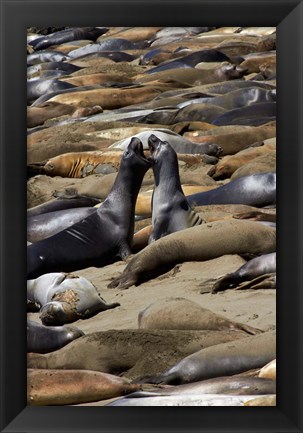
x=170, y=209
x=254, y=268
x=68, y=35
x=191, y=60
x=43, y=339
x=47, y=224
x=252, y=115
x=255, y=190
x=38, y=87
x=64, y=298
x=62, y=203
x=105, y=235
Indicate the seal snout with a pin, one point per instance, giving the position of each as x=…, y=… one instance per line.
x=153, y=143
x=137, y=147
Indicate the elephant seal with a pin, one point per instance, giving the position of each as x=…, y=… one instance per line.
x=257, y=190
x=64, y=298
x=77, y=164
x=222, y=360
x=170, y=210
x=101, y=237
x=181, y=313
x=199, y=243
x=45, y=339
x=45, y=56
x=269, y=371
x=67, y=35
x=235, y=385
x=261, y=164
x=185, y=400
x=66, y=387
x=38, y=87
x=264, y=264
x=178, y=143
x=47, y=224
x=131, y=351
x=230, y=163
x=193, y=59
x=60, y=204
x=251, y=115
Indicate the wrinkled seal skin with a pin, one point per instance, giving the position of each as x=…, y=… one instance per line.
x=254, y=190
x=170, y=210
x=103, y=236
x=256, y=267
x=42, y=339
x=222, y=360
x=199, y=243
x=64, y=298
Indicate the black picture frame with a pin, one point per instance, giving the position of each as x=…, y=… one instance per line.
x=15, y=17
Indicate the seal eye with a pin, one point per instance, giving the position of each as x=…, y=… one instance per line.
x=50, y=166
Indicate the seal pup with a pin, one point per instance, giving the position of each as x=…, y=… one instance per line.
x=64, y=298
x=199, y=243
x=170, y=209
x=254, y=268
x=101, y=237
x=45, y=339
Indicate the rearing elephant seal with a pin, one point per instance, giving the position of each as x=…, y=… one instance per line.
x=101, y=237
x=64, y=298
x=170, y=210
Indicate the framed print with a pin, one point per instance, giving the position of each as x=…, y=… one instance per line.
x=131, y=104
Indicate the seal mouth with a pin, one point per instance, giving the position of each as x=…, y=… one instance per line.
x=154, y=144
x=137, y=146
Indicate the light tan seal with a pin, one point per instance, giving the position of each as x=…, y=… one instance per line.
x=199, y=243
x=65, y=387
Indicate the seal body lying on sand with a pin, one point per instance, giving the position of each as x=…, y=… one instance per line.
x=64, y=298
x=61, y=387
x=43, y=339
x=170, y=210
x=199, y=243
x=222, y=360
x=261, y=265
x=254, y=190
x=102, y=236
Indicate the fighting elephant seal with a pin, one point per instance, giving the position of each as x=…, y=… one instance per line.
x=181, y=313
x=47, y=224
x=254, y=268
x=170, y=210
x=222, y=360
x=199, y=243
x=45, y=339
x=102, y=236
x=64, y=298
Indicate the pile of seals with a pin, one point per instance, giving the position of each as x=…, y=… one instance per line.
x=154, y=146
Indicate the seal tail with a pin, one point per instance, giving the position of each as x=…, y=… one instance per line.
x=250, y=329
